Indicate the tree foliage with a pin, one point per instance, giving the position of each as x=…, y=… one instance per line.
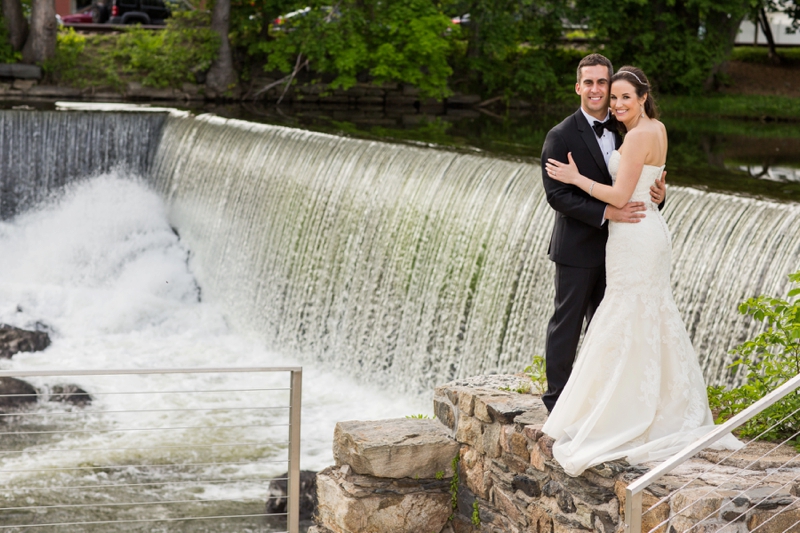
x=388, y=41
x=515, y=47
x=161, y=59
x=680, y=44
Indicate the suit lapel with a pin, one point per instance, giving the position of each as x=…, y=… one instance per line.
x=590, y=139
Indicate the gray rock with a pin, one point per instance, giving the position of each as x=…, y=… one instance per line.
x=14, y=340
x=354, y=504
x=563, y=498
x=276, y=501
x=397, y=448
x=69, y=394
x=528, y=485
x=15, y=393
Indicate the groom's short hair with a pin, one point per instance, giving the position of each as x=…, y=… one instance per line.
x=595, y=59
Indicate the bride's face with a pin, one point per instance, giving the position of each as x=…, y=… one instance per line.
x=625, y=105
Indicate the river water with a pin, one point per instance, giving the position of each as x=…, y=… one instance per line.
x=102, y=269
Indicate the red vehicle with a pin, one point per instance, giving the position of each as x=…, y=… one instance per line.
x=77, y=18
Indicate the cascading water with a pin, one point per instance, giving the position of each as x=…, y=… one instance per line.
x=415, y=266
x=41, y=152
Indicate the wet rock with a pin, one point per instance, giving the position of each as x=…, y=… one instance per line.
x=69, y=394
x=276, y=501
x=16, y=393
x=14, y=340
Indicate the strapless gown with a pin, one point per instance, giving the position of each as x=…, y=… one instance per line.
x=636, y=390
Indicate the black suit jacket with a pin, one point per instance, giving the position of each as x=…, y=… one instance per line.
x=579, y=234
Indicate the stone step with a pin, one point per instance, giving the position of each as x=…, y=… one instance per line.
x=397, y=448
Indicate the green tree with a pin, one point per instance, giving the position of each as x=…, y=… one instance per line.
x=514, y=47
x=380, y=40
x=680, y=44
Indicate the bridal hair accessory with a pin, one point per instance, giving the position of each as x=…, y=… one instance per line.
x=634, y=75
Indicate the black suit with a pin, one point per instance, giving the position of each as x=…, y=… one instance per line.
x=577, y=245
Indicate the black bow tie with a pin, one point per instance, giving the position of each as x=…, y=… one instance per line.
x=609, y=125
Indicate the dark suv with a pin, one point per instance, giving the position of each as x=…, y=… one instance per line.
x=138, y=12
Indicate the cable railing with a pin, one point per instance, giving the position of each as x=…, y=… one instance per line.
x=721, y=497
x=163, y=449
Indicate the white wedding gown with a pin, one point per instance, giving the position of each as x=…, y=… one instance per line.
x=636, y=389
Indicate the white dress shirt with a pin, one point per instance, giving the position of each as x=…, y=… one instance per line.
x=606, y=142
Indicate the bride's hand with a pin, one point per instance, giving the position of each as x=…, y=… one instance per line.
x=563, y=172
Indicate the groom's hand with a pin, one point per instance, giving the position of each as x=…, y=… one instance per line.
x=658, y=191
x=632, y=213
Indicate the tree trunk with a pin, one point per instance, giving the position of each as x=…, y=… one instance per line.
x=221, y=77
x=764, y=22
x=727, y=28
x=41, y=43
x=16, y=24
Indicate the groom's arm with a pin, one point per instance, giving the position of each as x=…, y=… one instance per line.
x=568, y=199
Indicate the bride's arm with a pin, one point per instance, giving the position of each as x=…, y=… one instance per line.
x=630, y=168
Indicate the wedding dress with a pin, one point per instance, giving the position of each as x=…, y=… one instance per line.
x=636, y=389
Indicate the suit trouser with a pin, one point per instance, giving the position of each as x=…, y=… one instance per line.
x=578, y=293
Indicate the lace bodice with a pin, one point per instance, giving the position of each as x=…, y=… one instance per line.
x=636, y=388
x=650, y=173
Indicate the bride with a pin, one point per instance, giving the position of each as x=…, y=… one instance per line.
x=636, y=389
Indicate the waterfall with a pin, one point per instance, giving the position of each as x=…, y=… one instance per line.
x=404, y=265
x=412, y=266
x=42, y=151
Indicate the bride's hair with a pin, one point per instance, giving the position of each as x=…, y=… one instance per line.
x=636, y=77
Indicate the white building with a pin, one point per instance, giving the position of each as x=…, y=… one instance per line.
x=782, y=32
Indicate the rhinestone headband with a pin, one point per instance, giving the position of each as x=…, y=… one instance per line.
x=634, y=75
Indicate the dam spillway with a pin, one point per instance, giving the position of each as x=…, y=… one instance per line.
x=405, y=265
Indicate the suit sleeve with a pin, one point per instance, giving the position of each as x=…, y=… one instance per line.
x=568, y=200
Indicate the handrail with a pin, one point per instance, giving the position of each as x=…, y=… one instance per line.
x=295, y=394
x=633, y=493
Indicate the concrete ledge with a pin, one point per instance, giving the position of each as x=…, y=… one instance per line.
x=20, y=71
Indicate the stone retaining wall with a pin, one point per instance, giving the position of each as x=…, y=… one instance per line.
x=362, y=95
x=508, y=481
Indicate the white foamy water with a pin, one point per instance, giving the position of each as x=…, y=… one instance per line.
x=102, y=270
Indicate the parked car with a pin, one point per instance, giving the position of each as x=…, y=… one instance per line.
x=76, y=18
x=138, y=12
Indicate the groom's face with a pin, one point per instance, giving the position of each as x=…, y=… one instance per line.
x=593, y=90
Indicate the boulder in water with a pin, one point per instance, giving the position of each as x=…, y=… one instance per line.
x=276, y=501
x=14, y=340
x=16, y=393
x=69, y=394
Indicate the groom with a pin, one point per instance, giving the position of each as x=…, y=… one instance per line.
x=578, y=242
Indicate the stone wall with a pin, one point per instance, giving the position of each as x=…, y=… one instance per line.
x=362, y=95
x=508, y=481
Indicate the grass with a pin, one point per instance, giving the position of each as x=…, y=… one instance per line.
x=759, y=54
x=756, y=107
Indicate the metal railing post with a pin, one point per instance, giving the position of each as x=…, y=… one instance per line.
x=293, y=483
x=633, y=512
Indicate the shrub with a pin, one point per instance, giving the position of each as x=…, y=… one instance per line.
x=770, y=359
x=166, y=58
x=7, y=54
